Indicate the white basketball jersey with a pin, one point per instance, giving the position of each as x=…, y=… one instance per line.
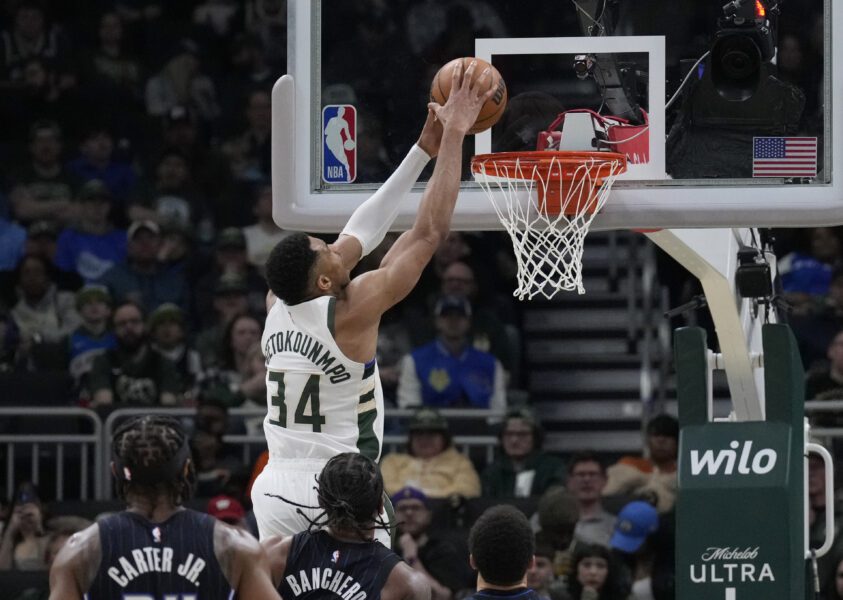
x=319, y=402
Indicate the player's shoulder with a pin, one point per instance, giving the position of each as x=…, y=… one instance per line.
x=405, y=583
x=80, y=550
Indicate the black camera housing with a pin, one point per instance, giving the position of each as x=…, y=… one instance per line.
x=743, y=42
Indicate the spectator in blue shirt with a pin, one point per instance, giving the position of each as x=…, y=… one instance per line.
x=450, y=372
x=94, y=245
x=12, y=241
x=141, y=278
x=96, y=161
x=93, y=336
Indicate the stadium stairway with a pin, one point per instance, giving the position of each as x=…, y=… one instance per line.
x=593, y=360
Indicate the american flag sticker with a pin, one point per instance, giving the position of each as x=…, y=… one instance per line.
x=784, y=157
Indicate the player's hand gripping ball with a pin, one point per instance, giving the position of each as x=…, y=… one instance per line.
x=494, y=107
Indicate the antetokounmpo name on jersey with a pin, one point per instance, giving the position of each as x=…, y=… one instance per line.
x=315, y=352
x=332, y=580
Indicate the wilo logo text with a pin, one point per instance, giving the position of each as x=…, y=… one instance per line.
x=724, y=461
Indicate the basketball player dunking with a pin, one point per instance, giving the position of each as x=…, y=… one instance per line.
x=343, y=558
x=323, y=391
x=156, y=548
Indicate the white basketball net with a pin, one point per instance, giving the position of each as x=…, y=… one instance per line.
x=548, y=247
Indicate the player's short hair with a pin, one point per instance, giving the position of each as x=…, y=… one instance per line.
x=289, y=268
x=350, y=492
x=502, y=544
x=149, y=454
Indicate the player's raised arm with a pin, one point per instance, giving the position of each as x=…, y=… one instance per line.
x=378, y=290
x=244, y=563
x=371, y=220
x=277, y=549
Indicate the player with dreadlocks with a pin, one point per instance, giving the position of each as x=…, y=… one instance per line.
x=338, y=557
x=156, y=548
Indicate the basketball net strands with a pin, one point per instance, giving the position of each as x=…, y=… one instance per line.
x=546, y=202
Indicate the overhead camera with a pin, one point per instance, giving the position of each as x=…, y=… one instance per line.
x=743, y=42
x=584, y=65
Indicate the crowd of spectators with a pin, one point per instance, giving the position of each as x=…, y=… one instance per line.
x=135, y=219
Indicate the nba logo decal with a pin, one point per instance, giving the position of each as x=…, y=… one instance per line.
x=339, y=143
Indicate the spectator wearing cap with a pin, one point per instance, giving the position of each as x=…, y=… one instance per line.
x=262, y=237
x=431, y=463
x=521, y=470
x=228, y=510
x=633, y=544
x=180, y=82
x=168, y=337
x=488, y=332
x=141, y=278
x=92, y=337
x=653, y=477
x=210, y=171
x=43, y=187
x=230, y=258
x=96, y=161
x=93, y=245
x=132, y=373
x=43, y=313
x=440, y=558
x=171, y=197
x=230, y=299
x=450, y=372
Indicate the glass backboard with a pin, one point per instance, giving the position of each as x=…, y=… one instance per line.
x=732, y=106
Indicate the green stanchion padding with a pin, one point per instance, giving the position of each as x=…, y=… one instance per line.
x=690, y=349
x=739, y=512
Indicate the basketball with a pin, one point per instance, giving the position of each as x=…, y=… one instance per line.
x=494, y=107
x=348, y=144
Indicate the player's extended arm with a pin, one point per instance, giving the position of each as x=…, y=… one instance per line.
x=402, y=266
x=76, y=565
x=371, y=221
x=277, y=548
x=404, y=583
x=244, y=563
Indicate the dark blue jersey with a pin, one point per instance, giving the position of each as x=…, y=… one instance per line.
x=157, y=561
x=321, y=567
x=516, y=594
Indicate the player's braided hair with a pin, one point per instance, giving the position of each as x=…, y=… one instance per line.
x=149, y=455
x=289, y=266
x=350, y=488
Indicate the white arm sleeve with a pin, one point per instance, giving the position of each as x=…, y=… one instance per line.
x=372, y=219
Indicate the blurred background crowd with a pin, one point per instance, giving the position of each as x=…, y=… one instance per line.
x=135, y=218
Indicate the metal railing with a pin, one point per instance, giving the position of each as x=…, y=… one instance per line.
x=825, y=434
x=392, y=442
x=90, y=448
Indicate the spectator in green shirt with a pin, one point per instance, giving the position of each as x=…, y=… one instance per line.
x=522, y=470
